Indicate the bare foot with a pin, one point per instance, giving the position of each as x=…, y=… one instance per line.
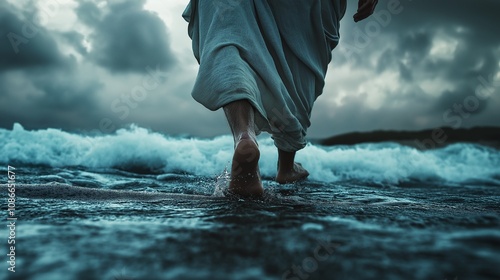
x=294, y=174
x=245, y=175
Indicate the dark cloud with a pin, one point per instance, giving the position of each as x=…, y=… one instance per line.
x=39, y=98
x=412, y=47
x=88, y=13
x=127, y=38
x=75, y=40
x=69, y=89
x=24, y=43
x=39, y=86
x=404, y=45
x=463, y=97
x=415, y=87
x=405, y=73
x=415, y=44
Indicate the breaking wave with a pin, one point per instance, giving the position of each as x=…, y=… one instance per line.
x=138, y=150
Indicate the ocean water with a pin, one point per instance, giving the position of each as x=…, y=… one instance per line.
x=143, y=205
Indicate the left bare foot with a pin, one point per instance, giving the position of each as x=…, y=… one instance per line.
x=245, y=175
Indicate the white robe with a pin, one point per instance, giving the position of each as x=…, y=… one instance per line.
x=273, y=53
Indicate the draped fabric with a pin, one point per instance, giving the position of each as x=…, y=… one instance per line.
x=273, y=53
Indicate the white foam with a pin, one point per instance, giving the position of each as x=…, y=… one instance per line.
x=138, y=148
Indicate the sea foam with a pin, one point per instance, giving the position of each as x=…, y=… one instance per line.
x=139, y=150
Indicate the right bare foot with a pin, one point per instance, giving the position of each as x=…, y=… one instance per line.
x=291, y=175
x=245, y=175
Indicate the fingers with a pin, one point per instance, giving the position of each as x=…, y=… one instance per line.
x=365, y=9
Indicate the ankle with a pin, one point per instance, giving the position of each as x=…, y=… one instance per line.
x=286, y=161
x=284, y=167
x=247, y=135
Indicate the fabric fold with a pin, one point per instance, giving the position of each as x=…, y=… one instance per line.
x=274, y=54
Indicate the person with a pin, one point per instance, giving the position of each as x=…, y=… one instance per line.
x=264, y=62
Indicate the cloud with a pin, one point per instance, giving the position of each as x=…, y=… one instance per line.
x=39, y=85
x=24, y=42
x=417, y=66
x=125, y=37
x=412, y=69
x=61, y=98
x=89, y=13
x=76, y=41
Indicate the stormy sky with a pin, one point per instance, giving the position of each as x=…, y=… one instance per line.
x=101, y=65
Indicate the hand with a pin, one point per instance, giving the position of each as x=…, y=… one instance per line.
x=365, y=9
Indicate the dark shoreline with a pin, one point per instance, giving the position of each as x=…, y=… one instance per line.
x=422, y=139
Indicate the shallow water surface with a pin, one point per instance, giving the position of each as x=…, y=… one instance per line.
x=138, y=205
x=179, y=230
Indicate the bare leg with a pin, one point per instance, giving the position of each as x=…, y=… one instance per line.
x=245, y=174
x=289, y=171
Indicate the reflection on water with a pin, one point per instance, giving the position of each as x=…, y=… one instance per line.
x=179, y=230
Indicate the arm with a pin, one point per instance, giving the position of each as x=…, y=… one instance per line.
x=365, y=9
